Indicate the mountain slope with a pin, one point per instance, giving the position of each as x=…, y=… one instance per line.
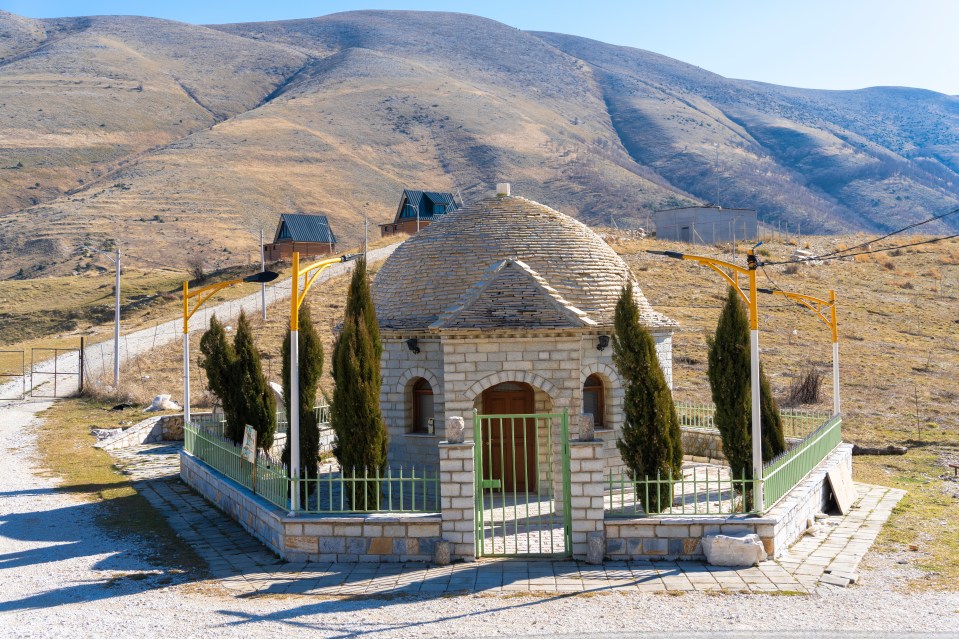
x=178, y=139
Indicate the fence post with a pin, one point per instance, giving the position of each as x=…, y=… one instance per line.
x=586, y=466
x=457, y=495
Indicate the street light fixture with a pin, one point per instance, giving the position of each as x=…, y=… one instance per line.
x=203, y=294
x=293, y=409
x=820, y=307
x=750, y=272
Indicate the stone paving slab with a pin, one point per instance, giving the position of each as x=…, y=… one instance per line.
x=244, y=566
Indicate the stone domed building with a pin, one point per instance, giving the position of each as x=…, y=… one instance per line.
x=505, y=306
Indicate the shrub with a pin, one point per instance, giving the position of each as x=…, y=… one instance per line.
x=219, y=362
x=235, y=377
x=257, y=404
x=806, y=389
x=729, y=381
x=651, y=443
x=361, y=436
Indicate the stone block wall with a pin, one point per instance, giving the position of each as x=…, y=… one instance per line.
x=680, y=537
x=457, y=498
x=401, y=368
x=376, y=538
x=586, y=469
x=159, y=428
x=702, y=445
x=387, y=537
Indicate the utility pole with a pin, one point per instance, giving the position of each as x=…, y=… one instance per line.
x=262, y=270
x=752, y=304
x=116, y=328
x=366, y=233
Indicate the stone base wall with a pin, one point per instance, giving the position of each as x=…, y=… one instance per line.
x=386, y=537
x=159, y=428
x=702, y=445
x=680, y=537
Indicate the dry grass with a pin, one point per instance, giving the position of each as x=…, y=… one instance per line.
x=66, y=446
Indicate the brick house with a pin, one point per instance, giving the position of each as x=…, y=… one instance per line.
x=307, y=233
x=417, y=210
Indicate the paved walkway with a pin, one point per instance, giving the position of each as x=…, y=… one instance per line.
x=244, y=565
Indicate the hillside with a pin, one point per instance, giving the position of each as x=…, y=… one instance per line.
x=176, y=139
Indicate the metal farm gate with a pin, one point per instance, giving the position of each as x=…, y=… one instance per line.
x=13, y=367
x=522, y=485
x=55, y=377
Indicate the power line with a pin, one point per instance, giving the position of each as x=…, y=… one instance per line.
x=890, y=234
x=834, y=256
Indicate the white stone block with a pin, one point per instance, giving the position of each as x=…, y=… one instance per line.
x=729, y=550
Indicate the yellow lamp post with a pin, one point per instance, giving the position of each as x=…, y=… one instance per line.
x=202, y=295
x=820, y=308
x=293, y=412
x=750, y=272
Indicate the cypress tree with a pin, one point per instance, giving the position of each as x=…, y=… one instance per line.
x=219, y=363
x=651, y=443
x=361, y=436
x=729, y=380
x=257, y=404
x=311, y=370
x=774, y=442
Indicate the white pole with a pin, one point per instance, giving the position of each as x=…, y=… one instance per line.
x=293, y=412
x=366, y=231
x=186, y=378
x=262, y=284
x=116, y=330
x=835, y=379
x=757, y=418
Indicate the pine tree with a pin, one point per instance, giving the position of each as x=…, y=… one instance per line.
x=729, y=380
x=257, y=404
x=651, y=443
x=311, y=370
x=219, y=363
x=361, y=436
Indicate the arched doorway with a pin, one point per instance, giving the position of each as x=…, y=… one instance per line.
x=509, y=443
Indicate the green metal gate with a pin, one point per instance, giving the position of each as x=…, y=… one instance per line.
x=522, y=485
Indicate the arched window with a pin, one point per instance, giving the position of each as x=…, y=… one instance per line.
x=593, y=400
x=423, y=414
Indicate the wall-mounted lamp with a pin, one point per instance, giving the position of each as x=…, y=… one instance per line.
x=413, y=346
x=603, y=342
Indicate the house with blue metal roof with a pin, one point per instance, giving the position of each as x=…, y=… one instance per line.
x=417, y=209
x=306, y=233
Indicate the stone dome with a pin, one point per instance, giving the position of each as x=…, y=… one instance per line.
x=432, y=273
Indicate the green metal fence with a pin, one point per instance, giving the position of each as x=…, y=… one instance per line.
x=781, y=474
x=798, y=423
x=402, y=491
x=270, y=481
x=322, y=412
x=519, y=459
x=702, y=489
x=332, y=492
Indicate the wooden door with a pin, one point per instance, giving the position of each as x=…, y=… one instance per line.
x=509, y=445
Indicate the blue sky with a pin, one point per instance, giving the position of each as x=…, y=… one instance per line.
x=824, y=44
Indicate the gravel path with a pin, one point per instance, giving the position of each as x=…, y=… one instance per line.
x=59, y=577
